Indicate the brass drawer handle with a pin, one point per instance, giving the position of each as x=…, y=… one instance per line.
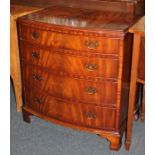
x=37, y=77
x=38, y=100
x=91, y=67
x=34, y=35
x=90, y=115
x=35, y=55
x=91, y=90
x=92, y=44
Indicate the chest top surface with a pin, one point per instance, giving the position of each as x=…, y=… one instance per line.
x=138, y=27
x=81, y=18
x=41, y=2
x=19, y=10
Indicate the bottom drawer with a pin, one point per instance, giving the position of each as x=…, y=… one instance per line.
x=78, y=114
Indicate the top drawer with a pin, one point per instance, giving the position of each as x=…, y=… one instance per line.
x=68, y=41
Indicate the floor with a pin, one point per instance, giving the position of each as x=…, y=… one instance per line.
x=44, y=138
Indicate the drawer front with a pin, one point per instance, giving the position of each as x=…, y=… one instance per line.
x=69, y=64
x=69, y=41
x=78, y=114
x=78, y=90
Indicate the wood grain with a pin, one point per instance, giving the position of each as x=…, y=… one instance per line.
x=15, y=12
x=59, y=61
x=68, y=41
x=135, y=8
x=56, y=84
x=73, y=89
x=138, y=70
x=141, y=65
x=80, y=114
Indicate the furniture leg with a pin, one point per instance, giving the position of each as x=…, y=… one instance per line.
x=137, y=106
x=115, y=144
x=137, y=111
x=115, y=141
x=132, y=90
x=26, y=116
x=142, y=115
x=15, y=64
x=18, y=93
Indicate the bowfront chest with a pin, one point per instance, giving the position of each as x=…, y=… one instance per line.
x=76, y=69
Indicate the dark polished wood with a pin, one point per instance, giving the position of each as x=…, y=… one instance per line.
x=71, y=88
x=80, y=114
x=75, y=41
x=67, y=62
x=135, y=8
x=77, y=74
x=141, y=65
x=26, y=116
x=76, y=18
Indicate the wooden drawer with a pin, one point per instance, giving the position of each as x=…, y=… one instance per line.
x=73, y=89
x=69, y=64
x=78, y=114
x=68, y=41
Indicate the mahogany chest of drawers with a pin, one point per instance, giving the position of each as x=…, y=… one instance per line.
x=76, y=69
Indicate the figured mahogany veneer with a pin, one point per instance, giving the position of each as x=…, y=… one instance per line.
x=68, y=62
x=47, y=38
x=76, y=69
x=84, y=115
x=71, y=88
